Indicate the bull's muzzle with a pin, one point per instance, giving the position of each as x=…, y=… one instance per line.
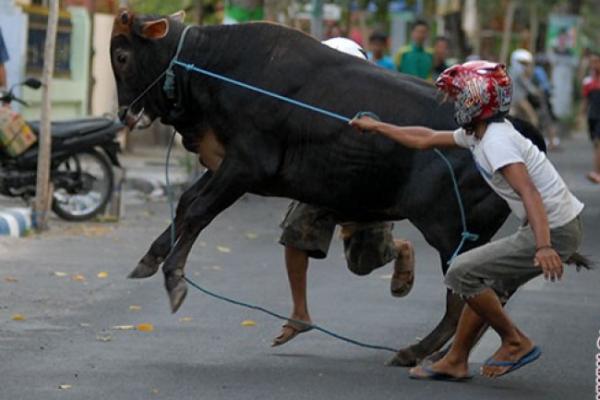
x=134, y=120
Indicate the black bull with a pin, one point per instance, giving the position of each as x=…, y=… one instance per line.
x=274, y=149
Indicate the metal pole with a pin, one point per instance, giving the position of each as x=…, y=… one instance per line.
x=316, y=20
x=43, y=195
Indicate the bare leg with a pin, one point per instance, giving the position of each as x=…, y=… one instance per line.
x=485, y=307
x=296, y=262
x=594, y=175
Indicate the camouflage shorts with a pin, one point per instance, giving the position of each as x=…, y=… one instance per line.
x=367, y=246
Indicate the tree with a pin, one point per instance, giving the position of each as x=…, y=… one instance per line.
x=43, y=193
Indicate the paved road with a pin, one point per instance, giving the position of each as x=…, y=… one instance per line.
x=203, y=352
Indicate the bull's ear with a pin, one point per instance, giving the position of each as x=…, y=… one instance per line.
x=179, y=16
x=155, y=29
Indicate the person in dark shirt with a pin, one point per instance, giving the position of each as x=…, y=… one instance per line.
x=591, y=102
x=440, y=54
x=3, y=60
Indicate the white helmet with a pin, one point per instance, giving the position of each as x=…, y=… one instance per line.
x=522, y=56
x=346, y=46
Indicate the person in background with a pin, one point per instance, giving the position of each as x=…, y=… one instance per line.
x=378, y=44
x=414, y=59
x=546, y=115
x=3, y=60
x=524, y=91
x=440, y=54
x=591, y=104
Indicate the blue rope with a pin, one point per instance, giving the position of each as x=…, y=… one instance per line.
x=466, y=235
x=241, y=303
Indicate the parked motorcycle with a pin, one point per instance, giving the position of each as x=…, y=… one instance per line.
x=84, y=152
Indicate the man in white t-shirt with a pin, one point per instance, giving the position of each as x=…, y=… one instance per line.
x=522, y=175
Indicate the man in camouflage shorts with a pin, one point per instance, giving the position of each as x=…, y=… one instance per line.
x=307, y=232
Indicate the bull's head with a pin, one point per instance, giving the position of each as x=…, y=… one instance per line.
x=141, y=49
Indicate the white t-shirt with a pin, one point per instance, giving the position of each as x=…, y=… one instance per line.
x=502, y=145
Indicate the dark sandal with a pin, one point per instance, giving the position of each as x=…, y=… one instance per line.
x=295, y=328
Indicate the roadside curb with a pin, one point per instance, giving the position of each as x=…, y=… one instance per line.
x=15, y=222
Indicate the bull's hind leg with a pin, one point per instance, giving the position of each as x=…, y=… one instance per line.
x=161, y=247
x=445, y=329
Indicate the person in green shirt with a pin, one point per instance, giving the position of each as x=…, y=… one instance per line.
x=414, y=59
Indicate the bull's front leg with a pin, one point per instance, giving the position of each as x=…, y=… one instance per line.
x=227, y=185
x=161, y=247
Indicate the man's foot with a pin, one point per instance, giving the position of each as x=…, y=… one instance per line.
x=291, y=329
x=403, y=277
x=507, y=357
x=594, y=177
x=441, y=370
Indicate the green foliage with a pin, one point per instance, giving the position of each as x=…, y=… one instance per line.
x=160, y=7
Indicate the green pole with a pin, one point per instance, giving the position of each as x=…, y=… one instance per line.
x=316, y=21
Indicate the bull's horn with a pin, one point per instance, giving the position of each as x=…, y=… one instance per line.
x=179, y=16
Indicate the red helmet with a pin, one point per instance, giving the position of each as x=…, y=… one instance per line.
x=479, y=89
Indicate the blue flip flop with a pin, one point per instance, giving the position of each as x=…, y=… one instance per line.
x=530, y=357
x=432, y=375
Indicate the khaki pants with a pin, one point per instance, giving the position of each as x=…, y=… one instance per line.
x=506, y=264
x=367, y=246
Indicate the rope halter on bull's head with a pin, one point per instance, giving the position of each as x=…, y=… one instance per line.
x=153, y=30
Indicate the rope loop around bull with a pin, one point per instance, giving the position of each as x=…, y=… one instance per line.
x=466, y=235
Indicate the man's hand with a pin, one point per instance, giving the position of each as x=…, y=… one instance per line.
x=365, y=124
x=548, y=259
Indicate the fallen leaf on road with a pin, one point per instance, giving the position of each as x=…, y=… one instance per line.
x=251, y=235
x=18, y=317
x=145, y=327
x=123, y=327
x=248, y=322
x=102, y=275
x=60, y=274
x=78, y=278
x=134, y=308
x=11, y=279
x=64, y=387
x=104, y=338
x=185, y=319
x=224, y=249
x=155, y=391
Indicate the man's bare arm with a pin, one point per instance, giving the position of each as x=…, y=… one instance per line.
x=546, y=257
x=415, y=137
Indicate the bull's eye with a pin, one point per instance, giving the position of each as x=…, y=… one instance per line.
x=121, y=58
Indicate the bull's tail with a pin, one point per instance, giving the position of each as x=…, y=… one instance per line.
x=580, y=261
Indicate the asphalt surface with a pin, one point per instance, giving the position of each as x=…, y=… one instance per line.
x=204, y=352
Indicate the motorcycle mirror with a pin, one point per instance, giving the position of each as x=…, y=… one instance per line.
x=33, y=83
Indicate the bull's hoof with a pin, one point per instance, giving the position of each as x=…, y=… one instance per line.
x=147, y=267
x=177, y=291
x=404, y=358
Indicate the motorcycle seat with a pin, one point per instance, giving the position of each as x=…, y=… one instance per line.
x=72, y=128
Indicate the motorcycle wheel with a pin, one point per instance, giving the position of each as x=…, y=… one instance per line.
x=95, y=180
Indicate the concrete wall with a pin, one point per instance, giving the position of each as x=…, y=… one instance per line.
x=69, y=95
x=104, y=92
